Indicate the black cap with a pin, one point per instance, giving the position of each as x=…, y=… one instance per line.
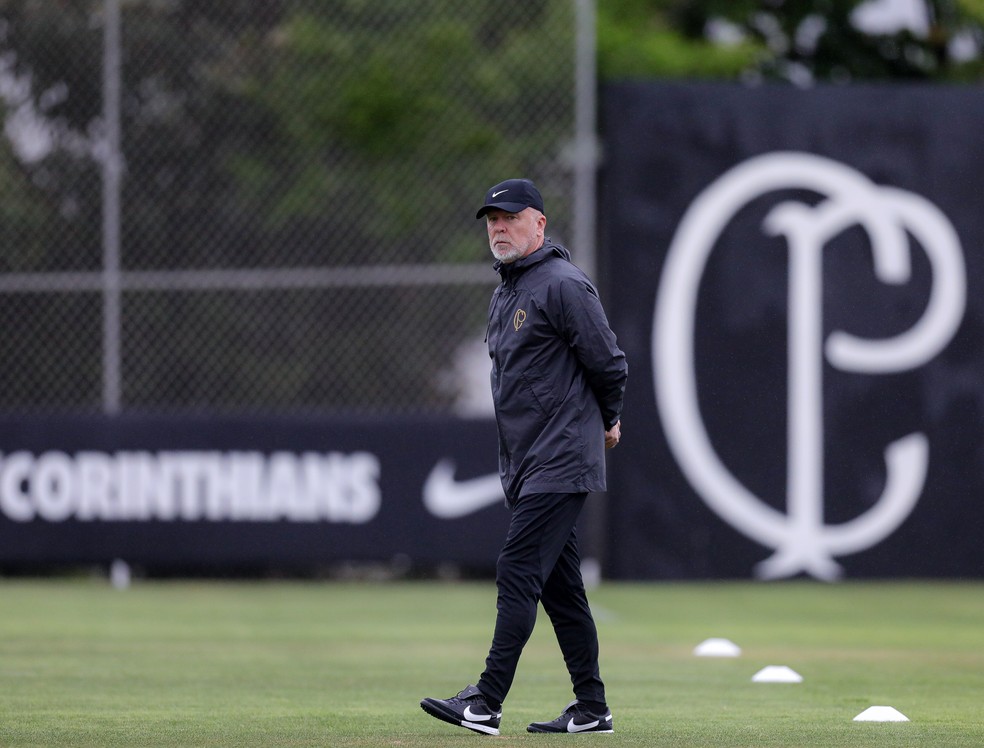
x=512, y=196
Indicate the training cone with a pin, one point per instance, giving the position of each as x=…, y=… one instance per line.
x=777, y=674
x=881, y=714
x=717, y=648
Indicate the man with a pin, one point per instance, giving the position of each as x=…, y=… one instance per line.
x=558, y=379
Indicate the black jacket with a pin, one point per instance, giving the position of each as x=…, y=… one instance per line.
x=558, y=376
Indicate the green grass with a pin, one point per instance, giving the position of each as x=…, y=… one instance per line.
x=345, y=664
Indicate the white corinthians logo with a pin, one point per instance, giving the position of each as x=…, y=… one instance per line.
x=801, y=539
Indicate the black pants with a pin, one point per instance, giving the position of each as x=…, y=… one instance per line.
x=540, y=562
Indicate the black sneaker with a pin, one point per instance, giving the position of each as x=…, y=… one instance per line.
x=467, y=709
x=576, y=718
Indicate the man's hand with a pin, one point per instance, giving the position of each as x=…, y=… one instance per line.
x=614, y=435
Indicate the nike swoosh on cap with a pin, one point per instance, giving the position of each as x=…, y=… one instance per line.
x=447, y=498
x=496, y=194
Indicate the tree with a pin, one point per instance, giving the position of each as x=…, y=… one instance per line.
x=291, y=133
x=308, y=134
x=801, y=41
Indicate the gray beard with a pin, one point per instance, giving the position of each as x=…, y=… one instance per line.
x=509, y=256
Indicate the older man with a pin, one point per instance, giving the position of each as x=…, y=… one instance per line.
x=558, y=379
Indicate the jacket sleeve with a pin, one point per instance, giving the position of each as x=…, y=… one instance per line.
x=594, y=344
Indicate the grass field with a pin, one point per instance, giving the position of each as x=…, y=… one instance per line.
x=345, y=664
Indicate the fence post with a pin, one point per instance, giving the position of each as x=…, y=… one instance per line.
x=584, y=226
x=112, y=174
x=585, y=138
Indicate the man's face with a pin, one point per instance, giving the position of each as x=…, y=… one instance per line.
x=512, y=236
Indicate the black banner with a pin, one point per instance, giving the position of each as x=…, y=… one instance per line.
x=797, y=278
x=249, y=494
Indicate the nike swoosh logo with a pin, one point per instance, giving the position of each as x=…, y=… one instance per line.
x=472, y=717
x=496, y=194
x=572, y=726
x=447, y=498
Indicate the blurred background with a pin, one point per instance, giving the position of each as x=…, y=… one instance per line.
x=241, y=207
x=220, y=220
x=238, y=206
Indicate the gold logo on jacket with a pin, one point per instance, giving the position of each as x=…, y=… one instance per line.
x=518, y=319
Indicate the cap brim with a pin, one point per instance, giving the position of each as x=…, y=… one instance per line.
x=508, y=207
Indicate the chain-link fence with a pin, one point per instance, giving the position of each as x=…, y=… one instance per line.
x=236, y=206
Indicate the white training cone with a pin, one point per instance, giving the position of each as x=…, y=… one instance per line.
x=777, y=674
x=881, y=714
x=717, y=648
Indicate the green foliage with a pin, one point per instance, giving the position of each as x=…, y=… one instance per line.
x=804, y=41
x=626, y=51
x=403, y=96
x=22, y=216
x=647, y=38
x=295, y=133
x=972, y=9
